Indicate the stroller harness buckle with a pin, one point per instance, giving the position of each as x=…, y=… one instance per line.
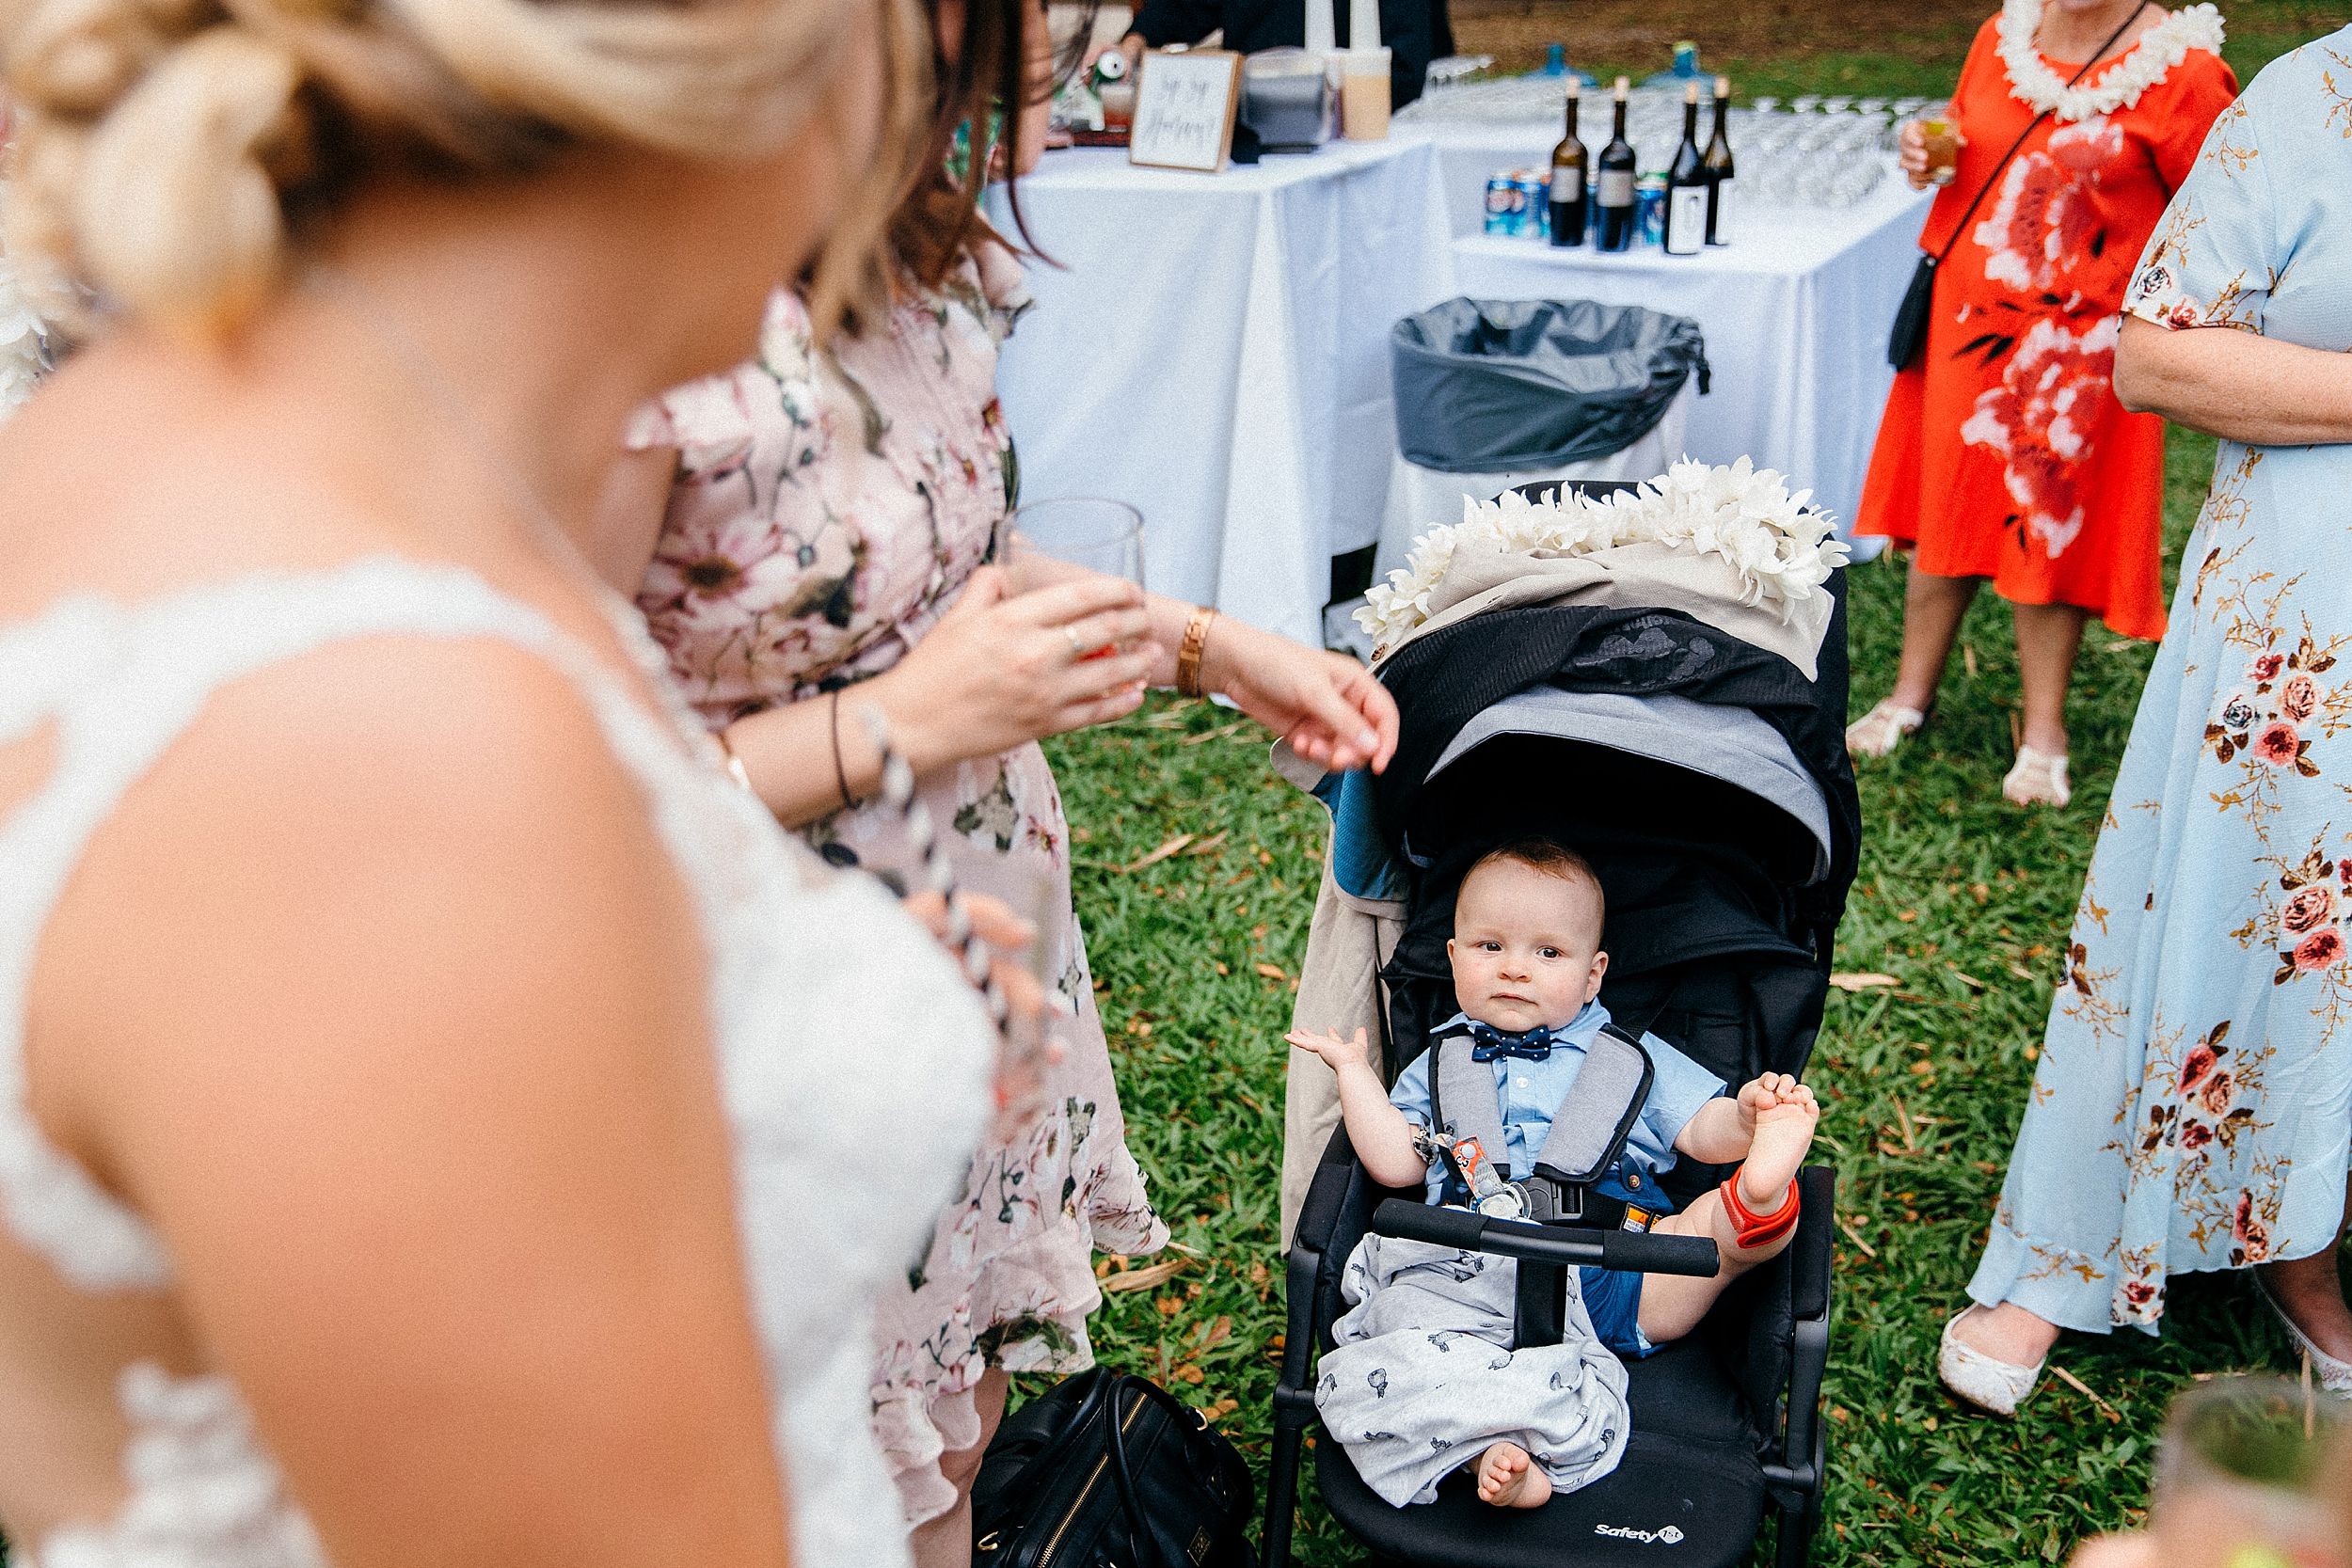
x=1588, y=1129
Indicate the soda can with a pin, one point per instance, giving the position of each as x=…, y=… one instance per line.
x=1505, y=205
x=1535, y=189
x=1649, y=209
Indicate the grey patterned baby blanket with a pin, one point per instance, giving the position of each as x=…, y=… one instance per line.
x=1423, y=1377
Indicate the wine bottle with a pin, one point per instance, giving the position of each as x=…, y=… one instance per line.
x=1686, y=185
x=1614, y=194
x=1720, y=214
x=1569, y=203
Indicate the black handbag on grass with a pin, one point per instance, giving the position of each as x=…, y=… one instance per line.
x=1109, y=1471
x=1909, y=336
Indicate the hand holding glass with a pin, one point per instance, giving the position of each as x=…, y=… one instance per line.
x=2250, y=1475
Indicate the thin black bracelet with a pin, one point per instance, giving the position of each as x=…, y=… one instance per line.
x=840, y=775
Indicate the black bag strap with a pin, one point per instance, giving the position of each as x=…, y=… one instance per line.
x=1994, y=178
x=1147, y=1544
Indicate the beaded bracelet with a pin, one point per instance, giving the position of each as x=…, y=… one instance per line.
x=736, y=770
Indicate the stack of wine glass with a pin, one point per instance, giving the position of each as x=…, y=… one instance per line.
x=1810, y=152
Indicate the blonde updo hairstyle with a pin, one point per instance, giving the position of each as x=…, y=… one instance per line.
x=168, y=153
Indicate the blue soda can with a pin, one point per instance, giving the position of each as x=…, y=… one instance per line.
x=1505, y=205
x=1534, y=190
x=1649, y=209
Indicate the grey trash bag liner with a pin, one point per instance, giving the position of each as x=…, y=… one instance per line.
x=1485, y=385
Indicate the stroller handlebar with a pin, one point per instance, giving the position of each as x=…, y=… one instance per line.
x=1635, y=1251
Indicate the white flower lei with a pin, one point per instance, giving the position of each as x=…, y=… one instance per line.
x=1782, y=548
x=2032, y=83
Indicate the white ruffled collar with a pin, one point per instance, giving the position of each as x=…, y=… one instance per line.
x=2032, y=83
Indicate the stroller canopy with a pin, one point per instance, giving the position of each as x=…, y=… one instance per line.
x=1730, y=744
x=1453, y=677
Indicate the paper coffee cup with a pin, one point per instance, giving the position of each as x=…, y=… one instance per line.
x=1363, y=93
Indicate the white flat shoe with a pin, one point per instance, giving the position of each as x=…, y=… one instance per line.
x=2331, y=1374
x=2037, y=779
x=1986, y=1381
x=1888, y=725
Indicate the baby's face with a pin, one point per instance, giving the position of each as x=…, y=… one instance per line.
x=1526, y=946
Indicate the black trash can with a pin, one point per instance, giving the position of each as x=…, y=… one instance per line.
x=1494, y=385
x=1496, y=393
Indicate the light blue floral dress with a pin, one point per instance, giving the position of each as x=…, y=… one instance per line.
x=2193, y=1106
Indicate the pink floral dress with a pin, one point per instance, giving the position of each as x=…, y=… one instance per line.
x=827, y=512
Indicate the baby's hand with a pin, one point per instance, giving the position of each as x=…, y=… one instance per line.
x=1335, y=1051
x=1772, y=1090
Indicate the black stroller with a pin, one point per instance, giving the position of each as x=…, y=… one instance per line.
x=1707, y=782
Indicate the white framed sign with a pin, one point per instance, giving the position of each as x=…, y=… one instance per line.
x=1185, y=107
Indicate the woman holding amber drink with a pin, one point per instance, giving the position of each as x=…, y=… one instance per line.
x=2003, y=456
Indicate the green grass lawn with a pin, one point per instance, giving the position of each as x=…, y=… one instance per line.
x=1962, y=897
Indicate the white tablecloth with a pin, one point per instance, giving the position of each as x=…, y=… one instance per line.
x=1796, y=316
x=1216, y=354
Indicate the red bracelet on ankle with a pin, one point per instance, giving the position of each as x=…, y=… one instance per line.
x=1751, y=1229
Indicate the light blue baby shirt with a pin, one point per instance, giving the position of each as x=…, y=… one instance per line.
x=1531, y=1092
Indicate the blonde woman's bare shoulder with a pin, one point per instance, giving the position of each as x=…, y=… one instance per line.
x=381, y=1000
x=390, y=849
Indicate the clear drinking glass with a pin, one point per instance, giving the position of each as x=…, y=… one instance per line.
x=2252, y=1474
x=1092, y=532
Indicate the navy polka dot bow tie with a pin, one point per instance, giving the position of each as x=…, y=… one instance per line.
x=1536, y=1045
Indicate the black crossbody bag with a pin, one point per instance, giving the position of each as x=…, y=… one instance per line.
x=1909, y=337
x=1106, y=1469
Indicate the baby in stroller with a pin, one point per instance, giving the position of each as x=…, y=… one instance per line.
x=1424, y=1365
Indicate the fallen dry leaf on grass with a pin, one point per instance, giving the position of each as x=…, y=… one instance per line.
x=1862, y=982
x=1172, y=847
x=1144, y=1279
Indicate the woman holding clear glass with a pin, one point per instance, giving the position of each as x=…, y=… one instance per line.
x=834, y=524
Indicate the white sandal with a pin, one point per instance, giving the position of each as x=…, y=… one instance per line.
x=1888, y=725
x=1984, y=1381
x=2332, y=1374
x=2037, y=778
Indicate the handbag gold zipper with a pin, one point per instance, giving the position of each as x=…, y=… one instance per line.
x=1053, y=1542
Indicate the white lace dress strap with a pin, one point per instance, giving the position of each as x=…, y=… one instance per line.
x=119, y=684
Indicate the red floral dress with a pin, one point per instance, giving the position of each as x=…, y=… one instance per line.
x=2004, y=455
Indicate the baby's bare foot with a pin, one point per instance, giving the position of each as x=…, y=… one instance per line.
x=1783, y=1133
x=1508, y=1479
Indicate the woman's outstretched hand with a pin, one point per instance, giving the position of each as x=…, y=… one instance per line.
x=1328, y=706
x=998, y=672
